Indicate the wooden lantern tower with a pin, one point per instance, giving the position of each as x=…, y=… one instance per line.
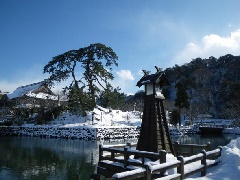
x=154, y=133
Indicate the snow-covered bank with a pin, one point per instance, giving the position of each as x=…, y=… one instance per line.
x=100, y=117
x=229, y=166
x=101, y=123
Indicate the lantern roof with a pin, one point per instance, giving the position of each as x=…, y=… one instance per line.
x=158, y=78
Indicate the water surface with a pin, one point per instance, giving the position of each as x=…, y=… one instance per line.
x=59, y=159
x=39, y=158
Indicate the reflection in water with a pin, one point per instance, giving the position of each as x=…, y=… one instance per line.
x=36, y=158
x=39, y=158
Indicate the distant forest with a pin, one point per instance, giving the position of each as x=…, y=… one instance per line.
x=213, y=85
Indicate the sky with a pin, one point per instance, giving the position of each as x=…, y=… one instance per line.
x=142, y=33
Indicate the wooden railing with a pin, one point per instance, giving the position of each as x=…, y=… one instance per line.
x=205, y=157
x=189, y=149
x=121, y=168
x=125, y=152
x=149, y=172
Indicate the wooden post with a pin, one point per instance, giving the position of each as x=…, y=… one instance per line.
x=143, y=159
x=180, y=169
x=112, y=155
x=92, y=118
x=208, y=146
x=220, y=153
x=176, y=148
x=162, y=159
x=100, y=152
x=148, y=172
x=162, y=156
x=126, y=157
x=204, y=162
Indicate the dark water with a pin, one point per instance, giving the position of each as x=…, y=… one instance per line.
x=37, y=158
x=57, y=159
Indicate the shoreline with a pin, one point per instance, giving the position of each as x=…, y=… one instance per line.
x=81, y=133
x=90, y=133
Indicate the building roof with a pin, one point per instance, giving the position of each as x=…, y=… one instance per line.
x=158, y=78
x=36, y=90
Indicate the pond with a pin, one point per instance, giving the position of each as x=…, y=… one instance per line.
x=55, y=159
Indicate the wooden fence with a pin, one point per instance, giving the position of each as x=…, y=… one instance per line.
x=207, y=159
x=189, y=149
x=125, y=152
x=115, y=163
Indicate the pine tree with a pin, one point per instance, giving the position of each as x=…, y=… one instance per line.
x=112, y=97
x=174, y=117
x=182, y=98
x=95, y=64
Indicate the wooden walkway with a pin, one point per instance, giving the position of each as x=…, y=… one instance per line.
x=116, y=162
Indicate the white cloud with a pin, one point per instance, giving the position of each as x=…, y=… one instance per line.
x=210, y=45
x=125, y=75
x=125, y=80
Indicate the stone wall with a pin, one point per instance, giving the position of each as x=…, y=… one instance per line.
x=118, y=133
x=82, y=133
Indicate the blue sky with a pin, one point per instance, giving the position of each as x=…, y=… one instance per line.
x=142, y=33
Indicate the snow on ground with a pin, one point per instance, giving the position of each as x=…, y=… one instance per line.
x=228, y=168
x=100, y=117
